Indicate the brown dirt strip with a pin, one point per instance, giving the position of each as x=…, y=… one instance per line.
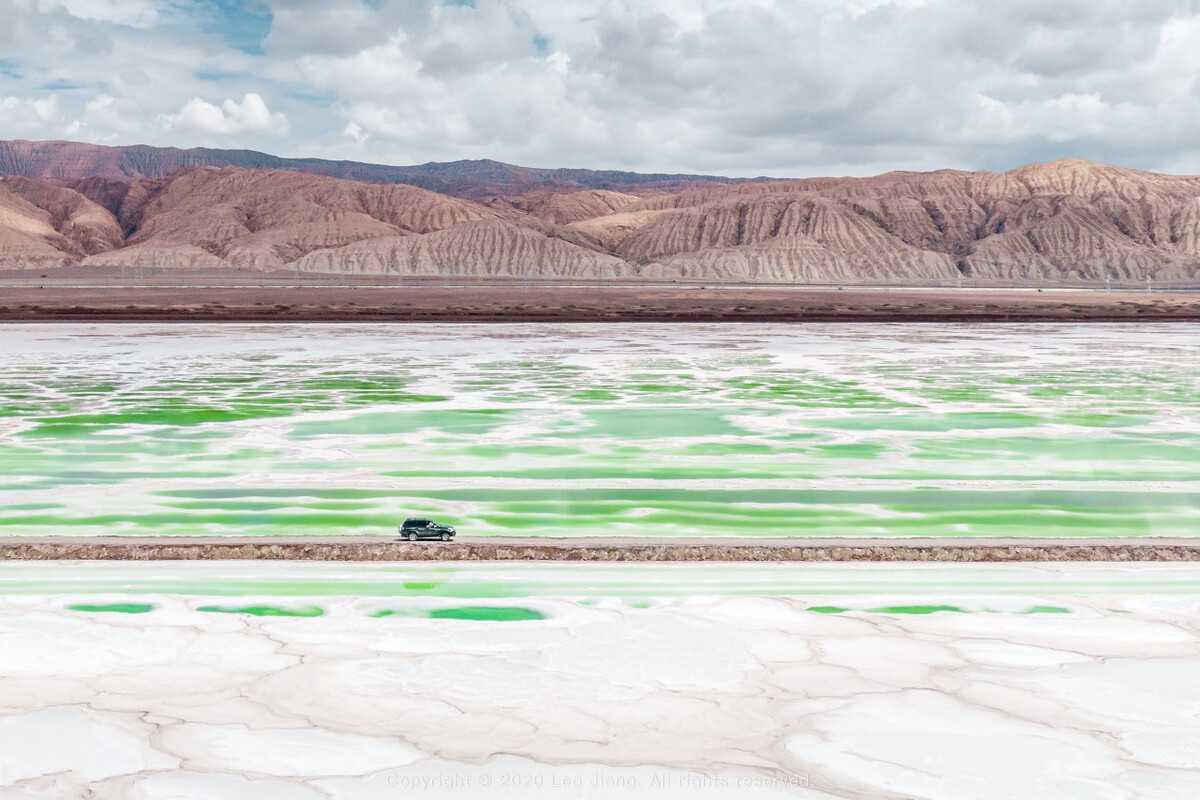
x=524, y=303
x=596, y=549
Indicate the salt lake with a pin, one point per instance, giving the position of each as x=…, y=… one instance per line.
x=648, y=430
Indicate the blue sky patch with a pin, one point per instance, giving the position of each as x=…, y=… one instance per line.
x=243, y=23
x=215, y=75
x=61, y=85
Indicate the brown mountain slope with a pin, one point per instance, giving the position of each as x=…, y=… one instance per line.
x=1068, y=220
x=610, y=230
x=44, y=225
x=267, y=219
x=492, y=248
x=779, y=237
x=563, y=208
x=125, y=200
x=1063, y=222
x=26, y=235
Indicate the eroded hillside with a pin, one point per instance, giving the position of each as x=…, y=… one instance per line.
x=1065, y=221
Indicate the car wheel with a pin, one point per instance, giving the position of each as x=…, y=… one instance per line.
x=412, y=537
x=445, y=537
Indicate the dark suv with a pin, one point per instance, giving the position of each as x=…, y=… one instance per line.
x=414, y=529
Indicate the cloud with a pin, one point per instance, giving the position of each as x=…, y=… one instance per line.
x=740, y=87
x=133, y=13
x=251, y=115
x=763, y=86
x=24, y=114
x=106, y=119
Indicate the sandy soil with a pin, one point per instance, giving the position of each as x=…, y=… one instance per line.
x=505, y=302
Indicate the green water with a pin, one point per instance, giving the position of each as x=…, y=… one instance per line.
x=511, y=613
x=639, y=430
x=326, y=593
x=264, y=610
x=924, y=609
x=915, y=609
x=112, y=608
x=281, y=584
x=488, y=613
x=469, y=613
x=331, y=593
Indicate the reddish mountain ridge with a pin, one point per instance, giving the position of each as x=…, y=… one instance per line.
x=1067, y=221
x=475, y=179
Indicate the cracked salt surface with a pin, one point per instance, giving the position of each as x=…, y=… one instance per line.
x=636, y=680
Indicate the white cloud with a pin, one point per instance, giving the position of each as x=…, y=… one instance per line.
x=742, y=87
x=251, y=115
x=25, y=114
x=105, y=119
x=46, y=108
x=134, y=13
x=758, y=86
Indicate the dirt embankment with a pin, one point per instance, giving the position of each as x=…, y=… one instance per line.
x=552, y=303
x=596, y=549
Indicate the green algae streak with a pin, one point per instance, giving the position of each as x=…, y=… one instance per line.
x=488, y=613
x=930, y=609
x=265, y=611
x=112, y=608
x=385, y=613
x=916, y=609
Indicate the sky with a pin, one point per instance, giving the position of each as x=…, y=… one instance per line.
x=728, y=87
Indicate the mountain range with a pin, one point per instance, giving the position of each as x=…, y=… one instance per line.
x=76, y=204
x=476, y=179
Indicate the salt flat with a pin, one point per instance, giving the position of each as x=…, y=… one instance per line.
x=311, y=680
